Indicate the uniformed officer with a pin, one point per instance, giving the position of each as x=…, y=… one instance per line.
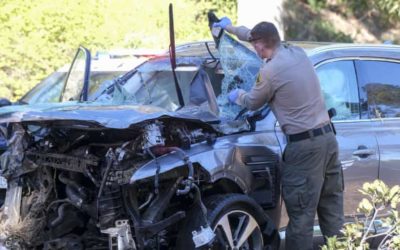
x=312, y=178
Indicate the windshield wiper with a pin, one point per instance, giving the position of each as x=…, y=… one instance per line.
x=118, y=81
x=124, y=78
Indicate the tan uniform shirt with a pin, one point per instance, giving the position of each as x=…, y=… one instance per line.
x=288, y=83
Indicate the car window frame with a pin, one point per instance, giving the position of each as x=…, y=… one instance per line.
x=83, y=96
x=352, y=59
x=379, y=59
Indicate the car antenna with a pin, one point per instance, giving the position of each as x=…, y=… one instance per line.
x=172, y=55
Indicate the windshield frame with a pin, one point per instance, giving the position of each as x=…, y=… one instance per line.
x=83, y=96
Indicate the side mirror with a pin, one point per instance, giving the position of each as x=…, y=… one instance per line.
x=4, y=102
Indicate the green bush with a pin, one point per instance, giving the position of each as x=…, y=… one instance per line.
x=387, y=10
x=381, y=200
x=37, y=37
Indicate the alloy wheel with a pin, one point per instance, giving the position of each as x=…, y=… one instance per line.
x=237, y=230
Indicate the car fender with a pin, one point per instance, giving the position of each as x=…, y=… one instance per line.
x=219, y=162
x=231, y=157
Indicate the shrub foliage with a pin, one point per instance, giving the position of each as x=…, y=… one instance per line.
x=37, y=37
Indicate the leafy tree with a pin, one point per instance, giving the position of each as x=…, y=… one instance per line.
x=37, y=37
x=387, y=10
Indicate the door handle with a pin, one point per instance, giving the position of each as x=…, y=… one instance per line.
x=364, y=153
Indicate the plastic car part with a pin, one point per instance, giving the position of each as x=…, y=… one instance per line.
x=231, y=214
x=120, y=236
x=153, y=136
x=12, y=204
x=203, y=237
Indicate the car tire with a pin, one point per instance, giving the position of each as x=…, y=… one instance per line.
x=236, y=212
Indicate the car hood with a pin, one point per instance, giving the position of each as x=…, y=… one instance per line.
x=100, y=115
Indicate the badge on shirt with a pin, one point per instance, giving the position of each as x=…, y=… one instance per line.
x=258, y=81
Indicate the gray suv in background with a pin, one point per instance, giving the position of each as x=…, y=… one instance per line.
x=362, y=82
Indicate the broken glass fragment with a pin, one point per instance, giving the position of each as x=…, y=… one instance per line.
x=241, y=66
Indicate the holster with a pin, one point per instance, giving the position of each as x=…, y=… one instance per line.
x=332, y=113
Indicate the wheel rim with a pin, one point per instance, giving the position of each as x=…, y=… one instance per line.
x=238, y=230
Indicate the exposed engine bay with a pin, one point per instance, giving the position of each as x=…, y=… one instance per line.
x=74, y=185
x=81, y=187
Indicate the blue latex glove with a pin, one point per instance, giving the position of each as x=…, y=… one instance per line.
x=233, y=95
x=225, y=21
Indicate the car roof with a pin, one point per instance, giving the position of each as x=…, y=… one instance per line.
x=354, y=51
x=200, y=48
x=317, y=51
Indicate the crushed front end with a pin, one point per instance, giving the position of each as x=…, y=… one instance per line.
x=69, y=184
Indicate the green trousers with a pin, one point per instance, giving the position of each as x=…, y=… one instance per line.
x=312, y=183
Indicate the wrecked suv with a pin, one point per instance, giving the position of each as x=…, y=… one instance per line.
x=157, y=160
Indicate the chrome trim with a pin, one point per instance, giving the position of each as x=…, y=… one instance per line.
x=360, y=120
x=362, y=47
x=358, y=58
x=352, y=121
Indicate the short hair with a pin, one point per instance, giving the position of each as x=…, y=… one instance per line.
x=267, y=33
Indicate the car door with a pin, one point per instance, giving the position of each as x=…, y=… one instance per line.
x=380, y=98
x=358, y=149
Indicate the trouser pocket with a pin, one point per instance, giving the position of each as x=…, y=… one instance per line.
x=334, y=180
x=295, y=192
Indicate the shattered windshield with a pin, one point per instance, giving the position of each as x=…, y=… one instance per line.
x=153, y=84
x=203, y=83
x=240, y=66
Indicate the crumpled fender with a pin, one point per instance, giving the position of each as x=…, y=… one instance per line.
x=221, y=160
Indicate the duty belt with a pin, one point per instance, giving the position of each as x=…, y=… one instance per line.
x=310, y=133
